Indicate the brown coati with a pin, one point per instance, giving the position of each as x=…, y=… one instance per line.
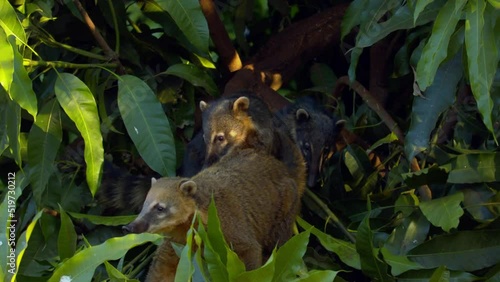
x=257, y=201
x=245, y=121
x=314, y=130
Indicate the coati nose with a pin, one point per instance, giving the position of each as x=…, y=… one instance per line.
x=126, y=229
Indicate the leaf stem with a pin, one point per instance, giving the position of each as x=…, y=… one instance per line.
x=330, y=214
x=60, y=64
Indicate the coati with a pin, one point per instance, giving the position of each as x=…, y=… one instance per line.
x=245, y=121
x=314, y=130
x=257, y=201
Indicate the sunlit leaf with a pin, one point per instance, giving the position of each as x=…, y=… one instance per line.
x=43, y=143
x=411, y=232
x=189, y=18
x=79, y=104
x=13, y=115
x=6, y=60
x=474, y=168
x=146, y=124
x=289, y=257
x=463, y=250
x=398, y=264
x=105, y=220
x=21, y=89
x=319, y=275
x=440, y=274
x=435, y=50
x=9, y=21
x=81, y=266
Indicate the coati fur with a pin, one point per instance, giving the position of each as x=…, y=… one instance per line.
x=314, y=130
x=257, y=201
x=245, y=121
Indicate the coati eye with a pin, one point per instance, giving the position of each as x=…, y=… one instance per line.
x=159, y=208
x=220, y=138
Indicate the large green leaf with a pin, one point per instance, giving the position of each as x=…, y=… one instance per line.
x=426, y=111
x=319, y=275
x=189, y=18
x=79, y=104
x=352, y=16
x=43, y=143
x=289, y=257
x=13, y=115
x=185, y=268
x=22, y=243
x=82, y=265
x=482, y=55
x=371, y=264
x=345, y=250
x=444, y=212
x=9, y=21
x=419, y=7
x=425, y=275
x=146, y=124
x=264, y=273
x=6, y=60
x=194, y=75
x=399, y=264
x=401, y=19
x=474, y=168
x=464, y=250
x=21, y=89
x=66, y=241
x=435, y=51
x=412, y=232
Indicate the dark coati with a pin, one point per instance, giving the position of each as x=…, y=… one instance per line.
x=245, y=121
x=314, y=130
x=257, y=201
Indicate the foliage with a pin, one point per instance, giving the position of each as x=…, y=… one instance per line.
x=68, y=101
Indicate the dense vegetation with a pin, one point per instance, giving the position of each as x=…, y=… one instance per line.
x=411, y=193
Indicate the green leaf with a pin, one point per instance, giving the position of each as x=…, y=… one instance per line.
x=105, y=220
x=115, y=275
x=289, y=257
x=81, y=267
x=398, y=264
x=352, y=16
x=264, y=273
x=146, y=124
x=429, y=175
x=195, y=76
x=22, y=243
x=464, y=250
x=474, y=168
x=345, y=250
x=6, y=60
x=355, y=54
x=435, y=50
x=482, y=55
x=401, y=19
x=21, y=89
x=189, y=18
x=425, y=275
x=66, y=242
x=440, y=274
x=411, y=232
x=43, y=143
x=79, y=104
x=495, y=3
x=216, y=268
x=10, y=23
x=370, y=263
x=419, y=7
x=426, y=111
x=185, y=268
x=391, y=137
x=319, y=275
x=13, y=115
x=444, y=212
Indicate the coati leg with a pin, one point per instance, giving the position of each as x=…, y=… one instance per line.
x=251, y=256
x=164, y=265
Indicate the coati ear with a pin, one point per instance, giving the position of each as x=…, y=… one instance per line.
x=153, y=180
x=241, y=104
x=301, y=115
x=188, y=188
x=203, y=105
x=340, y=124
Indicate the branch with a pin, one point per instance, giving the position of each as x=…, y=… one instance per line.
x=220, y=38
x=374, y=104
x=98, y=37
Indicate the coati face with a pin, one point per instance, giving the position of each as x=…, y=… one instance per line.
x=168, y=204
x=226, y=124
x=315, y=133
